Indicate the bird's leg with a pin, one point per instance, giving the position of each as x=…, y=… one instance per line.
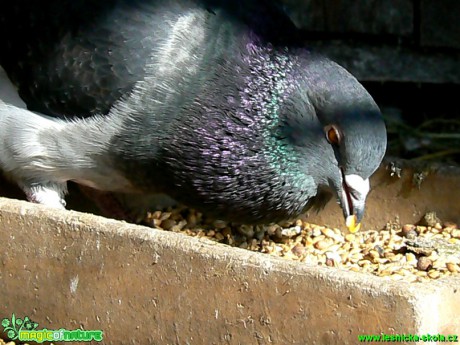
x=19, y=144
x=41, y=153
x=24, y=157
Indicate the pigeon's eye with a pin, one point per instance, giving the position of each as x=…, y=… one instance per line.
x=333, y=134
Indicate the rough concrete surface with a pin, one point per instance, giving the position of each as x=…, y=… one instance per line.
x=66, y=269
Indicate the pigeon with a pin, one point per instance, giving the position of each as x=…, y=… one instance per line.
x=217, y=104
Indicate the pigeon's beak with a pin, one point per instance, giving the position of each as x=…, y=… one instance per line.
x=353, y=200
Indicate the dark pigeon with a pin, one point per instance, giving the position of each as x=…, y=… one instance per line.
x=214, y=103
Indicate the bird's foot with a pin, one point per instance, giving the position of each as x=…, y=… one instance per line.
x=51, y=195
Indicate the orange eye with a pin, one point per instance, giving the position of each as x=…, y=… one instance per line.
x=333, y=134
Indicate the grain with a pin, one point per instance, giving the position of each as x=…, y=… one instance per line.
x=411, y=253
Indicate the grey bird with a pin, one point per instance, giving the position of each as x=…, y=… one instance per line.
x=214, y=103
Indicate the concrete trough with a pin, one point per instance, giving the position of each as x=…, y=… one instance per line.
x=67, y=269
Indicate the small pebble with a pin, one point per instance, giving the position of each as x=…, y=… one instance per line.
x=298, y=250
x=380, y=250
x=407, y=228
x=330, y=263
x=424, y=263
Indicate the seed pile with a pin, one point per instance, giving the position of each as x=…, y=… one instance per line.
x=413, y=253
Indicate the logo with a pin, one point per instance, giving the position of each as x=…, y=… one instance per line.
x=26, y=330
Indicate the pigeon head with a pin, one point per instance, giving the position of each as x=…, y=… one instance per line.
x=351, y=135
